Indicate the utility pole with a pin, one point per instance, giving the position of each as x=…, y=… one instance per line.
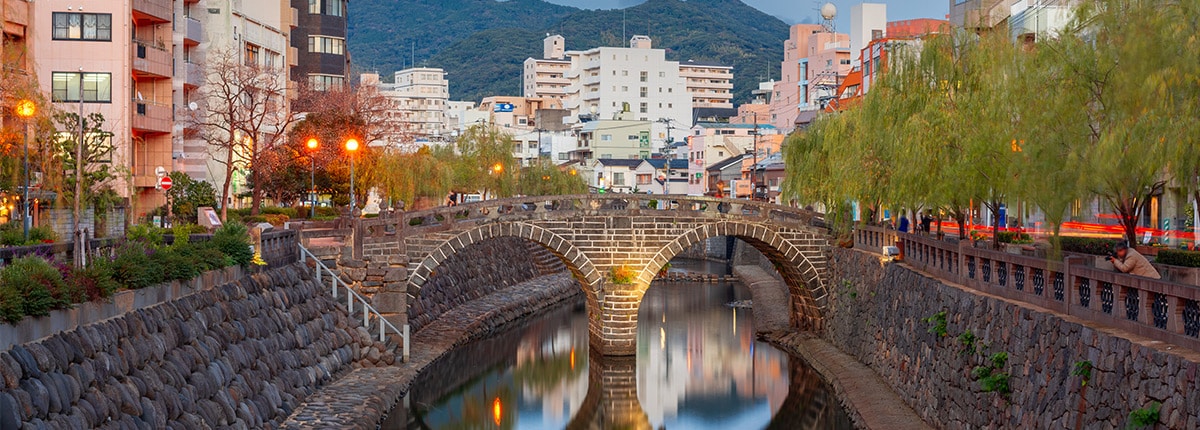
x=670, y=142
x=80, y=246
x=754, y=167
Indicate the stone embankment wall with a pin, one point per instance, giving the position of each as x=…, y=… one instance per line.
x=479, y=270
x=241, y=355
x=876, y=315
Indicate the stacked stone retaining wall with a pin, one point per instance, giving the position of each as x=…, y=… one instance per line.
x=241, y=355
x=479, y=270
x=876, y=315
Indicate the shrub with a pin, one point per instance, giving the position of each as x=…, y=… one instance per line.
x=272, y=210
x=96, y=280
x=1014, y=237
x=31, y=286
x=622, y=275
x=1175, y=257
x=233, y=240
x=13, y=234
x=323, y=211
x=1088, y=245
x=276, y=219
x=251, y=219
x=134, y=268
x=145, y=234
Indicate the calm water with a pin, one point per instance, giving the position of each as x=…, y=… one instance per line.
x=698, y=366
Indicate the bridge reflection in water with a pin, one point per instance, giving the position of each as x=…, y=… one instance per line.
x=698, y=366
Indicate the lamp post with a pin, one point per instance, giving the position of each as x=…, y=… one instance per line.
x=352, y=147
x=26, y=109
x=312, y=144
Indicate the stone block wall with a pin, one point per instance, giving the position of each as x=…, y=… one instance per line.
x=241, y=355
x=875, y=314
x=478, y=270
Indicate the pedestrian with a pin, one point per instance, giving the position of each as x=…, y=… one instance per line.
x=926, y=222
x=1127, y=260
x=903, y=223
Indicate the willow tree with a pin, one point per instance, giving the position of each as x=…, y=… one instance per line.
x=544, y=178
x=413, y=177
x=820, y=172
x=485, y=162
x=1178, y=83
x=1114, y=52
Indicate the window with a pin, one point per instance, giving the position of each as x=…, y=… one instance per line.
x=335, y=7
x=68, y=86
x=625, y=89
x=645, y=92
x=533, y=145
x=253, y=54
x=605, y=137
x=624, y=73
x=632, y=137
x=643, y=179
x=645, y=76
x=314, y=7
x=327, y=45
x=662, y=74
x=644, y=108
x=618, y=178
x=326, y=82
x=563, y=156
x=82, y=26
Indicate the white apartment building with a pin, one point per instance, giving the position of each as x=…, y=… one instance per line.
x=547, y=77
x=420, y=98
x=710, y=84
x=253, y=33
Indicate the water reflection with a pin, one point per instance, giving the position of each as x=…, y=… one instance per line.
x=698, y=366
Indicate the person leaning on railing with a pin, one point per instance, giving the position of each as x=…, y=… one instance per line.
x=1128, y=260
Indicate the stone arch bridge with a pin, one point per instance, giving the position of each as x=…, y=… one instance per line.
x=614, y=245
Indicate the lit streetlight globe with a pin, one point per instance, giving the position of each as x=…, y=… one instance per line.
x=313, y=143
x=352, y=145
x=26, y=109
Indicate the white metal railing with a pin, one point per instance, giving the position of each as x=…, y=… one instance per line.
x=351, y=297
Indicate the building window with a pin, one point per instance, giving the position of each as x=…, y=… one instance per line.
x=644, y=108
x=314, y=7
x=327, y=45
x=335, y=7
x=643, y=179
x=253, y=54
x=563, y=156
x=82, y=26
x=68, y=86
x=618, y=178
x=645, y=92
x=605, y=137
x=645, y=75
x=326, y=82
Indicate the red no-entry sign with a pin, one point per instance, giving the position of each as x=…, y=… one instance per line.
x=165, y=183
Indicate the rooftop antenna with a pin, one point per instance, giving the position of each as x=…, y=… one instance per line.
x=623, y=37
x=414, y=53
x=828, y=13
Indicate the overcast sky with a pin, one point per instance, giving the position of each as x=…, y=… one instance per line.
x=793, y=11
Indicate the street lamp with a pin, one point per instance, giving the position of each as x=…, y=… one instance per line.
x=352, y=147
x=312, y=156
x=497, y=168
x=26, y=109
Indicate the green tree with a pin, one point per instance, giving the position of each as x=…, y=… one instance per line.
x=544, y=178
x=484, y=162
x=414, y=177
x=187, y=195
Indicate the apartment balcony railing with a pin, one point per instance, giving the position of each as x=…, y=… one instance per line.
x=150, y=117
x=159, y=10
x=149, y=59
x=193, y=32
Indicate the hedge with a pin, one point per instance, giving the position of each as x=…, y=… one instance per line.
x=1088, y=245
x=1176, y=257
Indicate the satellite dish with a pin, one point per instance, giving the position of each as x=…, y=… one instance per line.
x=828, y=11
x=193, y=106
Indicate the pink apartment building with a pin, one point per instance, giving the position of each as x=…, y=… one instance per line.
x=815, y=61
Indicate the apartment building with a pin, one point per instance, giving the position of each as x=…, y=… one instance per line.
x=546, y=77
x=319, y=42
x=815, y=61
x=420, y=100
x=613, y=139
x=250, y=33
x=710, y=143
x=710, y=84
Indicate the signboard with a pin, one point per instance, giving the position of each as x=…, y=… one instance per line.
x=503, y=108
x=207, y=217
x=165, y=183
x=644, y=139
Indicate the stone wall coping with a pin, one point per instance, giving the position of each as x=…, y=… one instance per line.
x=32, y=329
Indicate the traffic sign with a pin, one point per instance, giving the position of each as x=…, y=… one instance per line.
x=165, y=183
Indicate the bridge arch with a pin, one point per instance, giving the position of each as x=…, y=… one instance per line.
x=576, y=261
x=797, y=265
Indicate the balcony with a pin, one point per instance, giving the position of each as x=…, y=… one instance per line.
x=154, y=10
x=193, y=31
x=193, y=74
x=150, y=117
x=150, y=61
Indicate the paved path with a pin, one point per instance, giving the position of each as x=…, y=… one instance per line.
x=869, y=400
x=360, y=399
x=772, y=300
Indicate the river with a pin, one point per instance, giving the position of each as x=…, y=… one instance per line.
x=698, y=366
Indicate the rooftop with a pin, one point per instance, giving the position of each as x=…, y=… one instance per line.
x=728, y=125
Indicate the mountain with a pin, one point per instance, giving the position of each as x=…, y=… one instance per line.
x=483, y=43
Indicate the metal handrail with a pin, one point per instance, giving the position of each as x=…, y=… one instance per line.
x=352, y=296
